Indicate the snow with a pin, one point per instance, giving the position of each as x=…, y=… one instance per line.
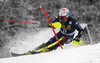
x=70, y=54
x=82, y=54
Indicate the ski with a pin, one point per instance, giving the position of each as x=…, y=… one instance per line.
x=16, y=54
x=27, y=53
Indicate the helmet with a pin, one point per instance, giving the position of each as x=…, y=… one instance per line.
x=63, y=15
x=64, y=12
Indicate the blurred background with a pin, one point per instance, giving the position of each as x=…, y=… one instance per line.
x=84, y=11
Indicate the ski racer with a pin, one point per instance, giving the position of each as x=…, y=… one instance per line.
x=66, y=33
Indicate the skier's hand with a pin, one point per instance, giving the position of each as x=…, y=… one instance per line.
x=76, y=41
x=56, y=25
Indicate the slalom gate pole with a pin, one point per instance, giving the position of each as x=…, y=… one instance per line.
x=21, y=22
x=51, y=26
x=89, y=35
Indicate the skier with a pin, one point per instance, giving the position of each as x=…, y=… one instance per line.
x=65, y=35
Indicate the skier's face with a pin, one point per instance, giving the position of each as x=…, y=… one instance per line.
x=63, y=19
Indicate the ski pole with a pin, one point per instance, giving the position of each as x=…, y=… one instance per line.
x=77, y=43
x=21, y=22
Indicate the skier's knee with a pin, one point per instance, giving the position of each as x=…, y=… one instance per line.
x=68, y=41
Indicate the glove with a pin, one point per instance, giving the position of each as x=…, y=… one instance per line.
x=55, y=25
x=76, y=41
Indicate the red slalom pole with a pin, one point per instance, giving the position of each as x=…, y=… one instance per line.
x=21, y=22
x=51, y=26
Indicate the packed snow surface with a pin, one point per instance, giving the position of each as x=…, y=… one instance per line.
x=80, y=54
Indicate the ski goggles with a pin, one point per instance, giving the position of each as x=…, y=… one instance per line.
x=63, y=18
